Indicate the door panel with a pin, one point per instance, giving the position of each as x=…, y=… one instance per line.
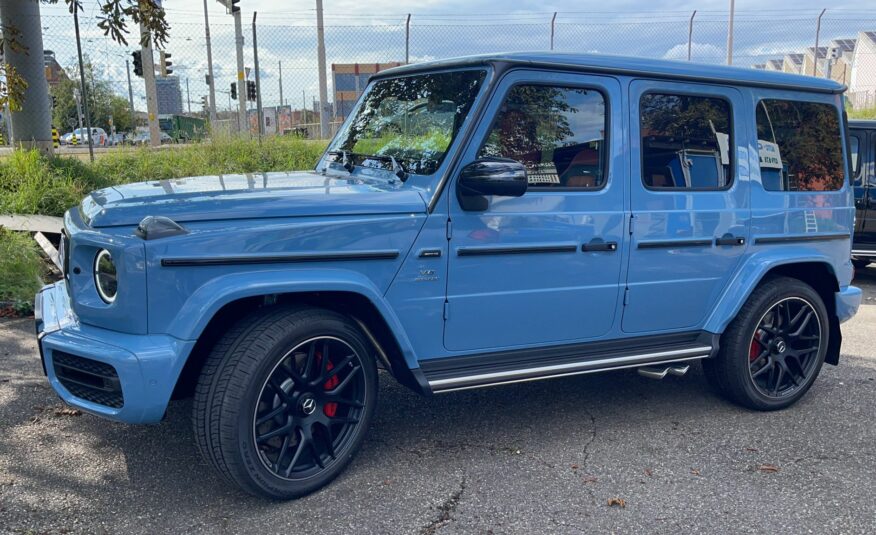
x=676, y=271
x=858, y=149
x=867, y=236
x=518, y=271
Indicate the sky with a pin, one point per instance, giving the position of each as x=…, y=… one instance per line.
x=374, y=31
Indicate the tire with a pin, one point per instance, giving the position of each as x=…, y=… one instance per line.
x=314, y=411
x=761, y=364
x=860, y=263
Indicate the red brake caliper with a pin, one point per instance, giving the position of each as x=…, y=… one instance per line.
x=330, y=409
x=754, y=351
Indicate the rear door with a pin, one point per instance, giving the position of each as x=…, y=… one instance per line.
x=689, y=200
x=858, y=148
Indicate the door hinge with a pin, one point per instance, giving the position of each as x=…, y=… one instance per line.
x=446, y=310
x=626, y=296
x=449, y=229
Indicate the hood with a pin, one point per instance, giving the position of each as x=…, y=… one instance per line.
x=248, y=196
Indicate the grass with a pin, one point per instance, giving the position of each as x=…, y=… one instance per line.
x=31, y=183
x=20, y=270
x=34, y=184
x=869, y=113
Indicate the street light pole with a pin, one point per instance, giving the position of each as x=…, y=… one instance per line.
x=84, y=97
x=323, y=83
x=730, y=33
x=131, y=95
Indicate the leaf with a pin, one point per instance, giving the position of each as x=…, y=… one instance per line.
x=649, y=472
x=695, y=471
x=617, y=502
x=768, y=468
x=67, y=411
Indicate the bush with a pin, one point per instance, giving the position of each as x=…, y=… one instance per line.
x=31, y=183
x=20, y=268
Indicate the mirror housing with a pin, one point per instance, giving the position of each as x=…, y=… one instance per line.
x=490, y=176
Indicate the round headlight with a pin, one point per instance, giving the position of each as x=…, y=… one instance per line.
x=105, y=276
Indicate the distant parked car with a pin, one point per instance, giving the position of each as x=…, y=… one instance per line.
x=101, y=139
x=117, y=139
x=143, y=138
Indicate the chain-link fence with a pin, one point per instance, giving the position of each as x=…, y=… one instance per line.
x=358, y=47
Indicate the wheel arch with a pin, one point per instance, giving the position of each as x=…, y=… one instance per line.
x=348, y=294
x=816, y=270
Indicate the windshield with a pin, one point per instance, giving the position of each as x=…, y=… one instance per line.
x=412, y=119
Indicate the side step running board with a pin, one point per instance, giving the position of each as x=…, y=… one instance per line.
x=662, y=361
x=659, y=372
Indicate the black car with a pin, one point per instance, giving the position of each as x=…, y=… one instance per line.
x=863, y=147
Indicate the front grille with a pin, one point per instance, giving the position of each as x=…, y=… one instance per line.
x=89, y=379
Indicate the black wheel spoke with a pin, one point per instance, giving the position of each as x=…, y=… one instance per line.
x=283, y=449
x=345, y=382
x=344, y=401
x=280, y=431
x=323, y=364
x=803, y=325
x=767, y=367
x=299, y=449
x=311, y=358
x=270, y=415
x=278, y=389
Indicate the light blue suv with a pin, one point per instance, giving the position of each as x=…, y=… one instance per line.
x=475, y=222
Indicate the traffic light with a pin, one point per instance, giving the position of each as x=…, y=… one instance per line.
x=163, y=64
x=207, y=79
x=250, y=91
x=138, y=62
x=205, y=102
x=234, y=91
x=234, y=7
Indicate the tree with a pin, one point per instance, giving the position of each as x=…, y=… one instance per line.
x=102, y=102
x=114, y=19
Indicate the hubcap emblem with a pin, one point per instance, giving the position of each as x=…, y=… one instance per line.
x=780, y=346
x=308, y=406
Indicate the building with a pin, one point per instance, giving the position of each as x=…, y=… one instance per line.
x=169, y=95
x=841, y=68
x=862, y=81
x=793, y=63
x=349, y=80
x=773, y=65
x=54, y=72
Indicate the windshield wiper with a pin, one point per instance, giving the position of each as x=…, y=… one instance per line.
x=397, y=168
x=345, y=160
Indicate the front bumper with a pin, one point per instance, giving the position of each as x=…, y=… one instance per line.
x=847, y=302
x=145, y=366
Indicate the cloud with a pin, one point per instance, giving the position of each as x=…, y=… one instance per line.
x=698, y=51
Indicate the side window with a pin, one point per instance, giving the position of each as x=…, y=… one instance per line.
x=800, y=146
x=685, y=142
x=558, y=133
x=855, y=150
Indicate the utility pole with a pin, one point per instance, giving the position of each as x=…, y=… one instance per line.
x=258, y=82
x=241, y=75
x=730, y=33
x=408, y=39
x=131, y=95
x=281, y=81
x=553, y=28
x=31, y=126
x=212, y=84
x=78, y=97
x=84, y=96
x=151, y=91
x=323, y=82
x=188, y=96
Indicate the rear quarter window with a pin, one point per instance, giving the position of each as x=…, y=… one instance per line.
x=800, y=146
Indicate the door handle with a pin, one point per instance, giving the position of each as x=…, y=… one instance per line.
x=729, y=239
x=597, y=244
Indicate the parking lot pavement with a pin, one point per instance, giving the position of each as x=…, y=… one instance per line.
x=532, y=458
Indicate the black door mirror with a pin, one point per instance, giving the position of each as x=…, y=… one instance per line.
x=493, y=176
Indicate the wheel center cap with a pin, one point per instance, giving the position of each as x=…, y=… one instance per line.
x=781, y=346
x=307, y=405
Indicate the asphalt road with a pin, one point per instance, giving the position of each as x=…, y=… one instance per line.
x=533, y=458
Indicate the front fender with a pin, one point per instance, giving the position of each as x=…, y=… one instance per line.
x=206, y=301
x=755, y=268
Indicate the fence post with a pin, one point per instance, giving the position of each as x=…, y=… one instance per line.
x=817, y=37
x=85, y=92
x=242, y=119
x=408, y=39
x=553, y=28
x=730, y=33
x=258, y=81
x=690, y=34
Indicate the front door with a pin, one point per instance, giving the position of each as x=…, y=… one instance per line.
x=545, y=267
x=689, y=201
